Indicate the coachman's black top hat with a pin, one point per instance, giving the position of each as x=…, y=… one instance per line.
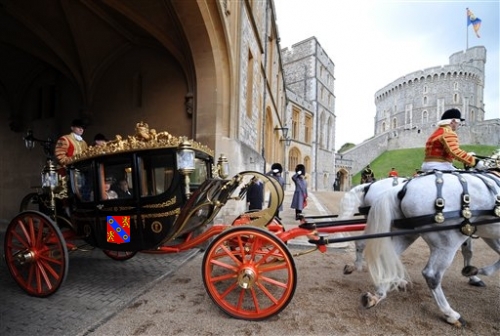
x=452, y=114
x=78, y=123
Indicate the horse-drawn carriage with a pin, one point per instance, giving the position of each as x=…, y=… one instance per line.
x=177, y=192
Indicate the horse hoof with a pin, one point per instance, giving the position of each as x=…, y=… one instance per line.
x=479, y=283
x=368, y=300
x=469, y=271
x=459, y=323
x=348, y=269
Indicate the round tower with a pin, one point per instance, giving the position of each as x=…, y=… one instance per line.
x=418, y=99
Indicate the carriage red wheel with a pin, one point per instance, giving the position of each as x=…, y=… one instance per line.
x=36, y=253
x=120, y=255
x=249, y=273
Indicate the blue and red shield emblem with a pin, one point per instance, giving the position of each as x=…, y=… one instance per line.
x=118, y=229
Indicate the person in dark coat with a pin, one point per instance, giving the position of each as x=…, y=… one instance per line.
x=299, y=200
x=276, y=171
x=255, y=194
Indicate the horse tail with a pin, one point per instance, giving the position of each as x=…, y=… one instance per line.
x=351, y=201
x=385, y=266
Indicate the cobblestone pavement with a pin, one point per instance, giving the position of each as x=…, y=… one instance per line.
x=95, y=289
x=98, y=287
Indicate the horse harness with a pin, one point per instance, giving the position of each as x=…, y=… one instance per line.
x=364, y=210
x=465, y=212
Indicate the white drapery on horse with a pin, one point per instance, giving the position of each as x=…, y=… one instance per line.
x=461, y=203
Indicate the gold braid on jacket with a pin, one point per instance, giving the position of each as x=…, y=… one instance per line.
x=443, y=146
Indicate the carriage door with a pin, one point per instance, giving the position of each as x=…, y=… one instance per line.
x=115, y=201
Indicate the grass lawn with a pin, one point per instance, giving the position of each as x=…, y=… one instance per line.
x=407, y=160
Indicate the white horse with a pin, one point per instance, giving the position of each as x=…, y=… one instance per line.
x=361, y=197
x=418, y=204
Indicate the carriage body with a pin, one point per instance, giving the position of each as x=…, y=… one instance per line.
x=151, y=210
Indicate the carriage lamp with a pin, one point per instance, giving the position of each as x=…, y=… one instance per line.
x=50, y=177
x=223, y=166
x=50, y=180
x=185, y=162
x=29, y=140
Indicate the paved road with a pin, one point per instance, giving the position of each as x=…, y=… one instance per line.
x=97, y=287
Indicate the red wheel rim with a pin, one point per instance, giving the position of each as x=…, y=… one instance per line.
x=36, y=254
x=119, y=255
x=249, y=273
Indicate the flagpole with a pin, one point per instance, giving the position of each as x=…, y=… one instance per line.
x=466, y=30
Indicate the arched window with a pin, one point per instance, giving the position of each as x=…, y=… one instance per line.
x=294, y=159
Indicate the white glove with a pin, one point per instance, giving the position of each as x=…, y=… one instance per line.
x=472, y=154
x=480, y=165
x=299, y=172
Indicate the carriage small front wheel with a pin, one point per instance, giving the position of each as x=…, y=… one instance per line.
x=120, y=255
x=249, y=273
x=36, y=253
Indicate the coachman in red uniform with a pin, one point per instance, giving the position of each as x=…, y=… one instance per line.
x=442, y=146
x=71, y=144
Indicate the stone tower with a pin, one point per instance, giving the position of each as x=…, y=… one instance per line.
x=418, y=99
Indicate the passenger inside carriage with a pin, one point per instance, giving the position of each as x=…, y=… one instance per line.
x=108, y=192
x=123, y=190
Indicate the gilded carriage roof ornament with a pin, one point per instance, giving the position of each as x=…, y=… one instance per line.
x=143, y=139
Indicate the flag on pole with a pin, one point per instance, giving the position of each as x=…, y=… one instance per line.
x=474, y=21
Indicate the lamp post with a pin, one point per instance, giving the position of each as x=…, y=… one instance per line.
x=185, y=163
x=30, y=141
x=282, y=129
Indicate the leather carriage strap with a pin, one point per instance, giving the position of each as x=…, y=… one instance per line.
x=439, y=202
x=441, y=216
x=414, y=222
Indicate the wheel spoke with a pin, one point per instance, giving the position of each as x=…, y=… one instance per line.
x=36, y=253
x=234, y=266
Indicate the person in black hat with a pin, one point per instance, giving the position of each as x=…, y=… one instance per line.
x=367, y=175
x=100, y=139
x=71, y=144
x=255, y=194
x=299, y=199
x=442, y=146
x=276, y=171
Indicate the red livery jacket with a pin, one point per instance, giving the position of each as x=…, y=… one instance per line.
x=442, y=146
x=67, y=146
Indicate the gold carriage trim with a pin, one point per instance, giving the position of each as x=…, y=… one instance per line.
x=143, y=139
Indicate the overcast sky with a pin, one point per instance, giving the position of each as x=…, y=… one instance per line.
x=374, y=42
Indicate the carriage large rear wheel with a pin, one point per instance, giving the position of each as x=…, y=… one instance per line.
x=36, y=253
x=249, y=273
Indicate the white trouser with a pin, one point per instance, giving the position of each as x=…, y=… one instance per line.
x=429, y=166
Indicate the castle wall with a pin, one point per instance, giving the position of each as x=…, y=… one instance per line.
x=309, y=78
x=418, y=99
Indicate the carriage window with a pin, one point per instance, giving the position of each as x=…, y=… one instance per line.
x=156, y=173
x=115, y=178
x=83, y=183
